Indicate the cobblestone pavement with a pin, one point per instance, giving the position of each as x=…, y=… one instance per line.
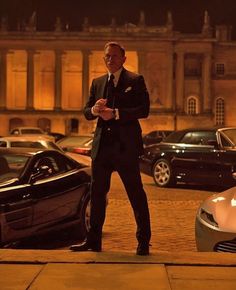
x=172, y=214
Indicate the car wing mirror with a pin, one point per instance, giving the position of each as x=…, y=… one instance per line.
x=41, y=172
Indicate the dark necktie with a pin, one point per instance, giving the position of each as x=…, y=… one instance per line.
x=110, y=91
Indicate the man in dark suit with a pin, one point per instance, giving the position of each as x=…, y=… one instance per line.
x=118, y=99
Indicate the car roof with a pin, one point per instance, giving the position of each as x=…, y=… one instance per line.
x=24, y=138
x=23, y=151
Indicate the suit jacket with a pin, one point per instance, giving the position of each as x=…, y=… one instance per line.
x=131, y=98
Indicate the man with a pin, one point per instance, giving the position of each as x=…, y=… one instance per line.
x=118, y=99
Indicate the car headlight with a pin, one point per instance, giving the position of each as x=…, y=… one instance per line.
x=208, y=217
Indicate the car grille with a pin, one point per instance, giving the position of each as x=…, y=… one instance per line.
x=226, y=246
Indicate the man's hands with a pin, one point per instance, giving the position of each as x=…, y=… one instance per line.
x=101, y=110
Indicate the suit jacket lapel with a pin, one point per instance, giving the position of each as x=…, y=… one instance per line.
x=121, y=80
x=104, y=87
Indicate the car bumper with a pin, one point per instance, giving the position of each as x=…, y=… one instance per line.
x=209, y=238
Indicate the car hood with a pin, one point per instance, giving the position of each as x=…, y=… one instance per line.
x=223, y=208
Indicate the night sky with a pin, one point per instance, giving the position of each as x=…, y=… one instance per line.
x=187, y=14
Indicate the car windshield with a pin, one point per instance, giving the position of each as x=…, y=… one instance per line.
x=11, y=166
x=230, y=134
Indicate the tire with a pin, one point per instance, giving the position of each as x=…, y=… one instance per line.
x=162, y=173
x=84, y=224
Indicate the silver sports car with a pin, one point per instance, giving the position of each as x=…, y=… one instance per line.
x=215, y=227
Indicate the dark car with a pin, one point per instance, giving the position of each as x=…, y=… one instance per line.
x=41, y=190
x=155, y=136
x=80, y=144
x=202, y=156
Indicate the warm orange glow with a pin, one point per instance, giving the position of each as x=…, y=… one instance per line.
x=98, y=68
x=44, y=80
x=16, y=79
x=72, y=80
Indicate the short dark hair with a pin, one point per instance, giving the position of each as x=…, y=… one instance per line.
x=113, y=43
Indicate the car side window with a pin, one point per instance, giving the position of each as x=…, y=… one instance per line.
x=46, y=162
x=191, y=138
x=199, y=137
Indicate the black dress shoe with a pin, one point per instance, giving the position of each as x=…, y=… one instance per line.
x=142, y=249
x=86, y=246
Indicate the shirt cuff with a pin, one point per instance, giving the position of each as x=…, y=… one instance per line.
x=116, y=114
x=94, y=113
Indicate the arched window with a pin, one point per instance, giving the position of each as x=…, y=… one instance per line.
x=44, y=124
x=15, y=122
x=73, y=126
x=220, y=111
x=192, y=105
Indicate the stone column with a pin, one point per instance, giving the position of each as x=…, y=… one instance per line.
x=85, y=76
x=141, y=62
x=206, y=82
x=179, y=79
x=169, y=88
x=30, y=80
x=3, y=79
x=58, y=79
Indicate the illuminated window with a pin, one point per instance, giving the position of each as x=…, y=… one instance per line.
x=220, y=111
x=192, y=106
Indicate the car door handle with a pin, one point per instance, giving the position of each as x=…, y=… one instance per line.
x=17, y=205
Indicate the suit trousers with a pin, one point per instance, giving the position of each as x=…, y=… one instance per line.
x=109, y=159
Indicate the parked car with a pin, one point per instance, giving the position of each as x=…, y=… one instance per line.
x=81, y=144
x=30, y=131
x=154, y=137
x=57, y=136
x=215, y=228
x=40, y=142
x=28, y=142
x=201, y=156
x=40, y=191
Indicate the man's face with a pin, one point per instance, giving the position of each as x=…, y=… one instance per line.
x=113, y=58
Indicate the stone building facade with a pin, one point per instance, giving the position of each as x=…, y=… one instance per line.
x=45, y=76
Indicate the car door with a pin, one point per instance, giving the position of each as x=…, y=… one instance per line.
x=187, y=162
x=57, y=195
x=16, y=211
x=195, y=160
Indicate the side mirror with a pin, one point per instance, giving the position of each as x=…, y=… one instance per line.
x=41, y=172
